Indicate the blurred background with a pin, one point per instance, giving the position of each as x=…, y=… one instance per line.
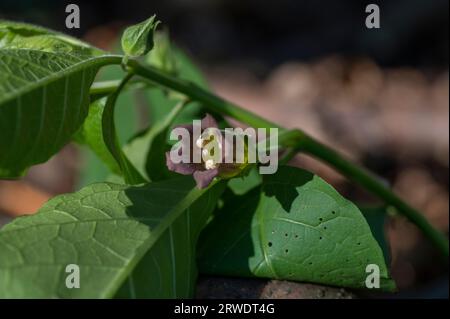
x=380, y=96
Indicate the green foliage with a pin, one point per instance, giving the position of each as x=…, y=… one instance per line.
x=43, y=94
x=96, y=167
x=128, y=171
x=112, y=232
x=296, y=227
x=137, y=238
x=14, y=35
x=137, y=40
x=147, y=151
x=91, y=134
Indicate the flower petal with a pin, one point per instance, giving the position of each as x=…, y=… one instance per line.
x=181, y=168
x=188, y=127
x=209, y=121
x=204, y=178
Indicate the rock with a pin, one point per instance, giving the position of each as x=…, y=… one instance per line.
x=276, y=289
x=246, y=288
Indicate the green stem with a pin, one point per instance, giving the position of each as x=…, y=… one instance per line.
x=194, y=92
x=130, y=174
x=290, y=153
x=296, y=139
x=100, y=89
x=363, y=177
x=104, y=87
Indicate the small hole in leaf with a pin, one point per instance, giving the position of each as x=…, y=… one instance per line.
x=324, y=227
x=310, y=263
x=333, y=212
x=270, y=244
x=296, y=236
x=358, y=244
x=286, y=234
x=320, y=238
x=286, y=251
x=320, y=219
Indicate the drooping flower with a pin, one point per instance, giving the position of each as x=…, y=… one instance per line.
x=209, y=147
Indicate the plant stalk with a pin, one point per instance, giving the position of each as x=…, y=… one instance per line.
x=300, y=141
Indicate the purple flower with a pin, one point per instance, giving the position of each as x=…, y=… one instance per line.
x=204, y=146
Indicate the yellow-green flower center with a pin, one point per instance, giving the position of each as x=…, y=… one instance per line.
x=210, y=143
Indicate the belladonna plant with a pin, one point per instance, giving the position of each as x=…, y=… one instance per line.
x=147, y=230
x=209, y=146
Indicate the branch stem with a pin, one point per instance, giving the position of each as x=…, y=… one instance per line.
x=298, y=140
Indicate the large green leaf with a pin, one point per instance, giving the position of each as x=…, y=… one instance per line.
x=108, y=230
x=169, y=269
x=18, y=35
x=296, y=227
x=43, y=93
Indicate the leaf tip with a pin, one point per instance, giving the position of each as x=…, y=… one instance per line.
x=138, y=39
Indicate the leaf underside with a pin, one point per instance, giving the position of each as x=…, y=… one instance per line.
x=44, y=83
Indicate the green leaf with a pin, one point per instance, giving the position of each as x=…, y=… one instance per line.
x=127, y=113
x=44, y=99
x=100, y=135
x=169, y=58
x=377, y=217
x=16, y=35
x=126, y=117
x=91, y=135
x=187, y=69
x=137, y=40
x=296, y=227
x=169, y=270
x=44, y=83
x=242, y=184
x=162, y=55
x=108, y=230
x=148, y=149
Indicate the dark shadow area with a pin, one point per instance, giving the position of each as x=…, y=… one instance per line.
x=284, y=188
x=225, y=245
x=263, y=34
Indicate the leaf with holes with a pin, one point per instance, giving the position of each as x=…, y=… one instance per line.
x=43, y=95
x=114, y=233
x=294, y=227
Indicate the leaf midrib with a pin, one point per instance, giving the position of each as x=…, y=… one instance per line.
x=93, y=61
x=171, y=216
